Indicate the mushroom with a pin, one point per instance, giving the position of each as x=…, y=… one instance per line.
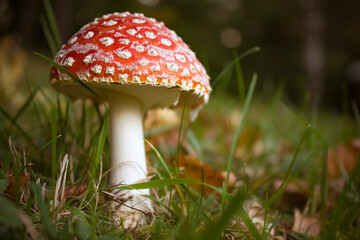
x=135, y=63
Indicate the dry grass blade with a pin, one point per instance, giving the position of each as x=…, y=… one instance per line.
x=61, y=179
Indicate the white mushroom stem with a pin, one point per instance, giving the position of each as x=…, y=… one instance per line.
x=128, y=163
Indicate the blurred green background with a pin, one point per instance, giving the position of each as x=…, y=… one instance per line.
x=311, y=48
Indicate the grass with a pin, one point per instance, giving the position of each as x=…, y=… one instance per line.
x=79, y=129
x=49, y=144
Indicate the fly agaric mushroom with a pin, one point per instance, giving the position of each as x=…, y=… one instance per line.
x=135, y=63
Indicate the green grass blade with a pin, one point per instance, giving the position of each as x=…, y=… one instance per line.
x=26, y=104
x=42, y=148
x=323, y=187
x=52, y=22
x=54, y=162
x=155, y=200
x=99, y=151
x=347, y=207
x=195, y=143
x=158, y=130
x=102, y=139
x=240, y=79
x=176, y=163
x=161, y=159
x=18, y=127
x=61, y=68
x=288, y=174
x=230, y=65
x=44, y=212
x=357, y=115
x=238, y=130
x=83, y=228
x=8, y=213
x=215, y=229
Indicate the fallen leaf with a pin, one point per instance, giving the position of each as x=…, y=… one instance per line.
x=193, y=168
x=155, y=120
x=76, y=190
x=11, y=183
x=160, y=117
x=343, y=157
x=295, y=194
x=305, y=224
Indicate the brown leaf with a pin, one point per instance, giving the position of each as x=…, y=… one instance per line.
x=193, y=168
x=305, y=224
x=11, y=183
x=76, y=190
x=160, y=117
x=343, y=156
x=295, y=194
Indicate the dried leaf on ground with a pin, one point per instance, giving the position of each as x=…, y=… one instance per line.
x=160, y=117
x=306, y=224
x=343, y=156
x=296, y=193
x=76, y=190
x=193, y=168
x=11, y=183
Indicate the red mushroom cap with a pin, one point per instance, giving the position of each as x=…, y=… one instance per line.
x=129, y=49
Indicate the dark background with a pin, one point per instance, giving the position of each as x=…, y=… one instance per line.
x=310, y=47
